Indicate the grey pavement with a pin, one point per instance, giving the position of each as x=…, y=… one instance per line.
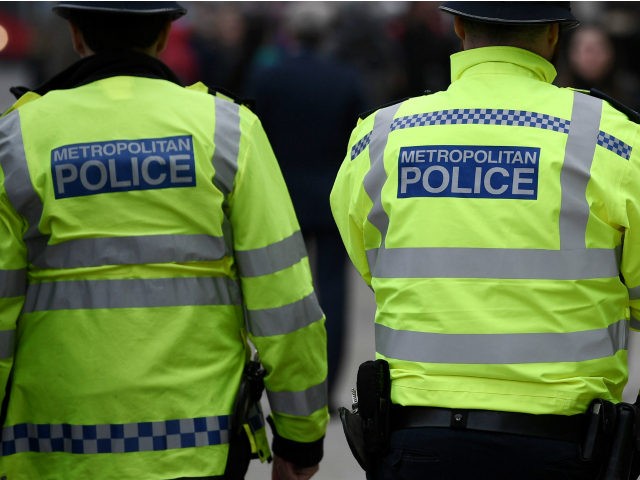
x=338, y=463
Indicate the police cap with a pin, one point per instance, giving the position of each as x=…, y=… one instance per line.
x=172, y=10
x=514, y=13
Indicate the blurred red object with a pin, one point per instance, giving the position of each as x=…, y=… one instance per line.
x=179, y=55
x=16, y=37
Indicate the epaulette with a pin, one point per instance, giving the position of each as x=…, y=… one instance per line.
x=364, y=115
x=628, y=111
x=228, y=95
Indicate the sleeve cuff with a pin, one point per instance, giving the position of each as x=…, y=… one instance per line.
x=301, y=454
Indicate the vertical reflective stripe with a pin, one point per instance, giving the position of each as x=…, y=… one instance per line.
x=376, y=177
x=576, y=170
x=17, y=181
x=13, y=283
x=226, y=140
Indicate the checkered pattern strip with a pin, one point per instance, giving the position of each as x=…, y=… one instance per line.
x=493, y=116
x=116, y=438
x=483, y=116
x=614, y=144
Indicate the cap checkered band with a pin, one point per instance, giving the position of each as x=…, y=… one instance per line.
x=116, y=438
x=614, y=144
x=360, y=146
x=493, y=116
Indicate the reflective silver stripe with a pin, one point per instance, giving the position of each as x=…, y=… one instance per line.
x=272, y=258
x=376, y=176
x=576, y=169
x=634, y=293
x=634, y=323
x=299, y=403
x=13, y=283
x=226, y=140
x=17, y=182
x=285, y=319
x=501, y=348
x=7, y=341
x=136, y=293
x=91, y=252
x=495, y=263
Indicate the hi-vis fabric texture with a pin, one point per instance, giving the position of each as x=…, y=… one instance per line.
x=144, y=228
x=497, y=223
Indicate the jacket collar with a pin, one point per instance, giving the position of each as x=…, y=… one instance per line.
x=501, y=60
x=104, y=65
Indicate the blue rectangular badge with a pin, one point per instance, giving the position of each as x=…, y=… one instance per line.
x=468, y=171
x=123, y=165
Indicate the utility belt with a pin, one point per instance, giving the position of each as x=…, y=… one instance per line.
x=606, y=433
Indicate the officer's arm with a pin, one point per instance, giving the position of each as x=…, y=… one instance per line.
x=284, y=319
x=12, y=281
x=349, y=201
x=631, y=266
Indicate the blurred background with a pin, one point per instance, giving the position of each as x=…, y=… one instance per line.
x=309, y=69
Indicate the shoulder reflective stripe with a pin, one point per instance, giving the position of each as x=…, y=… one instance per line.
x=576, y=169
x=7, y=341
x=17, y=182
x=272, y=258
x=634, y=293
x=226, y=139
x=376, y=176
x=13, y=283
x=634, y=323
x=494, y=263
x=285, y=319
x=115, y=438
x=501, y=348
x=301, y=403
x=91, y=252
x=138, y=293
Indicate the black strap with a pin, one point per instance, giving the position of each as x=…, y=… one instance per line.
x=558, y=427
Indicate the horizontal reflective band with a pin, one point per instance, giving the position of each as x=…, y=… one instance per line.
x=13, y=283
x=138, y=293
x=299, y=403
x=91, y=252
x=116, y=438
x=272, y=258
x=634, y=293
x=492, y=116
x=501, y=348
x=7, y=343
x=493, y=263
x=285, y=319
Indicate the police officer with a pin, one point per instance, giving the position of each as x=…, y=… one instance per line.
x=497, y=224
x=147, y=244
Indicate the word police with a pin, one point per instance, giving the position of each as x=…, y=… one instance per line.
x=122, y=165
x=468, y=171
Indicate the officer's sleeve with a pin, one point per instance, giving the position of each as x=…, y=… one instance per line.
x=12, y=281
x=630, y=265
x=349, y=201
x=284, y=319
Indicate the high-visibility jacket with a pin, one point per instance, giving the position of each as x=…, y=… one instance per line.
x=498, y=224
x=144, y=228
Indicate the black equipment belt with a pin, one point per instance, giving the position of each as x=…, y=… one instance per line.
x=557, y=427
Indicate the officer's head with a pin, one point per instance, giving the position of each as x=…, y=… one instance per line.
x=534, y=26
x=100, y=26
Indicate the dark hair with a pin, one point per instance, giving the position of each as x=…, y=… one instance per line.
x=109, y=31
x=505, y=34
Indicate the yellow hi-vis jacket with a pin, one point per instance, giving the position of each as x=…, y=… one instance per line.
x=142, y=226
x=498, y=224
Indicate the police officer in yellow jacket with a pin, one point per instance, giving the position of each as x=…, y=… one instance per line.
x=497, y=223
x=147, y=245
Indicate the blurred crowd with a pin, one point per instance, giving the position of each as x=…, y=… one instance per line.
x=310, y=68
